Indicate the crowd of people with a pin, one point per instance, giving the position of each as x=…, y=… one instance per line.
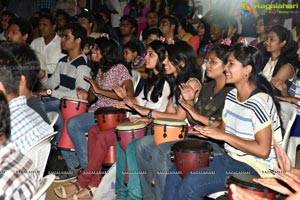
x=221, y=76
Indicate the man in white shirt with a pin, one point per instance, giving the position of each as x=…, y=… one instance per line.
x=49, y=44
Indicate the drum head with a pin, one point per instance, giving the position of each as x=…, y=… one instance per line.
x=245, y=181
x=169, y=122
x=192, y=146
x=130, y=126
x=76, y=100
x=108, y=110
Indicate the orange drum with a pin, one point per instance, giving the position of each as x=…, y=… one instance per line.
x=245, y=182
x=109, y=117
x=70, y=107
x=128, y=131
x=110, y=157
x=190, y=155
x=167, y=130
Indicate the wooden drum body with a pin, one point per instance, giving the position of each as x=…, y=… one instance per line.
x=167, y=130
x=190, y=155
x=70, y=107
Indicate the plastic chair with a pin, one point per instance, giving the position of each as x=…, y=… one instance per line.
x=288, y=115
x=39, y=153
x=44, y=185
x=136, y=76
x=52, y=116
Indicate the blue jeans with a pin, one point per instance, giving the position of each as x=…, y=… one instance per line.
x=52, y=104
x=204, y=181
x=133, y=189
x=77, y=127
x=153, y=159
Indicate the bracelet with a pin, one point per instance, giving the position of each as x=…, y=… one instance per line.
x=149, y=115
x=211, y=121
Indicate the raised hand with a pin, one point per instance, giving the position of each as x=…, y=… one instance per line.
x=82, y=93
x=282, y=158
x=93, y=84
x=189, y=108
x=187, y=91
x=120, y=91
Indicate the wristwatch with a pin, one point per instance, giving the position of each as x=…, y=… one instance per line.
x=211, y=121
x=49, y=92
x=149, y=115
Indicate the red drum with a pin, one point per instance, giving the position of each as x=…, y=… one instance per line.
x=70, y=107
x=110, y=157
x=126, y=132
x=166, y=130
x=109, y=117
x=245, y=182
x=190, y=155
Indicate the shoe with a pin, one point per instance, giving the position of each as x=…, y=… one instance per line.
x=89, y=193
x=70, y=174
x=60, y=191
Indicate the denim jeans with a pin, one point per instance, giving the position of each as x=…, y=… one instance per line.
x=133, y=189
x=154, y=160
x=52, y=104
x=77, y=127
x=204, y=181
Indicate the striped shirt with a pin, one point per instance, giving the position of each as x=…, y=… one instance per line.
x=68, y=76
x=27, y=126
x=245, y=119
x=16, y=181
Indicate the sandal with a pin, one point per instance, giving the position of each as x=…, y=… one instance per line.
x=90, y=193
x=60, y=191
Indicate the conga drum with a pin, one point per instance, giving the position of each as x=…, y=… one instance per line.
x=109, y=117
x=128, y=131
x=167, y=130
x=70, y=107
x=245, y=182
x=190, y=155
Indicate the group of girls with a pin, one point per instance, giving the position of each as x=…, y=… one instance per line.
x=236, y=107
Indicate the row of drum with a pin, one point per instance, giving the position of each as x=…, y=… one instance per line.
x=188, y=155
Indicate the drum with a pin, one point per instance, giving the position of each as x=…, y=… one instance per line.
x=166, y=130
x=109, y=117
x=245, y=182
x=126, y=132
x=110, y=157
x=190, y=155
x=70, y=107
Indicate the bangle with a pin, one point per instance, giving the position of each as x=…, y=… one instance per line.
x=149, y=115
x=211, y=121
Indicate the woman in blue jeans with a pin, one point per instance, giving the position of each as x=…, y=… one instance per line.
x=249, y=122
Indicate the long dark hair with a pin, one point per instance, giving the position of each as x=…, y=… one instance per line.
x=249, y=55
x=111, y=55
x=182, y=52
x=156, y=81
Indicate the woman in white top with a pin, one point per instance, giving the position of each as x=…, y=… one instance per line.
x=250, y=121
x=281, y=57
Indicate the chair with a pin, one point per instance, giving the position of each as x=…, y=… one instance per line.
x=136, y=76
x=39, y=153
x=288, y=115
x=52, y=116
x=44, y=185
